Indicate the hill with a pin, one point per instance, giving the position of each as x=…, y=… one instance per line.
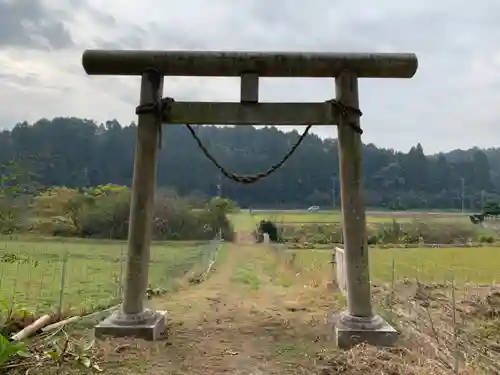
x=78, y=152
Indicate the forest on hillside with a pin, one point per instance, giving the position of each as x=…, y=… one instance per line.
x=79, y=153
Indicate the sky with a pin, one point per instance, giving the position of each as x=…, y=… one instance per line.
x=452, y=102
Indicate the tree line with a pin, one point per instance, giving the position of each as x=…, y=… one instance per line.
x=80, y=153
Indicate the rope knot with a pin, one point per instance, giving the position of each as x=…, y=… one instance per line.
x=160, y=108
x=344, y=111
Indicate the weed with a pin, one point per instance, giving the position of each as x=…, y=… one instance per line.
x=246, y=274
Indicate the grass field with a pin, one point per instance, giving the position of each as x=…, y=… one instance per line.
x=257, y=312
x=432, y=265
x=94, y=269
x=330, y=216
x=33, y=279
x=469, y=264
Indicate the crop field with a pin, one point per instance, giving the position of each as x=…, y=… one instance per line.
x=82, y=275
x=330, y=216
x=303, y=229
x=479, y=265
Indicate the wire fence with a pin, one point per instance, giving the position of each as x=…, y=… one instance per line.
x=450, y=313
x=81, y=277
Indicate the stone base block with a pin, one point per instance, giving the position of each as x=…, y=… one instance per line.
x=350, y=331
x=149, y=325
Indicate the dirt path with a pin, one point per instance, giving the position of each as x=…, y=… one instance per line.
x=256, y=314
x=244, y=238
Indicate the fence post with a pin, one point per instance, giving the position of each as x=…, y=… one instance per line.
x=393, y=284
x=14, y=290
x=454, y=322
x=1, y=276
x=62, y=283
x=39, y=297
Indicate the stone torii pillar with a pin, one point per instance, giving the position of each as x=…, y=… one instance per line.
x=356, y=324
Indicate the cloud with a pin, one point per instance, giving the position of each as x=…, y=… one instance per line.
x=450, y=103
x=28, y=24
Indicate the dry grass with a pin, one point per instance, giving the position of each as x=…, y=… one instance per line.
x=365, y=359
x=463, y=333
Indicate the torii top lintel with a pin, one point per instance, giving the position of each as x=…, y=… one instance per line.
x=264, y=64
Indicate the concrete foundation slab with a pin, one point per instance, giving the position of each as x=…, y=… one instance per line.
x=350, y=331
x=150, y=325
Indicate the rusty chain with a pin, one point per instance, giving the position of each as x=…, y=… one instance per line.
x=248, y=179
x=160, y=108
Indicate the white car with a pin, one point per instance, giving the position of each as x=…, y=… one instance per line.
x=313, y=208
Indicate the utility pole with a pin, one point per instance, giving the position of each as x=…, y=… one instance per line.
x=219, y=194
x=219, y=186
x=482, y=199
x=333, y=191
x=86, y=177
x=462, y=183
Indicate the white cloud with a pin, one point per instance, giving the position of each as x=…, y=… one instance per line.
x=450, y=103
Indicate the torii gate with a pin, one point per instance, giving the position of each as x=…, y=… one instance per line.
x=356, y=324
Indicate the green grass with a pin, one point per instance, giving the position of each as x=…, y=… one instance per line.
x=299, y=217
x=246, y=274
x=93, y=271
x=330, y=216
x=475, y=264
x=291, y=350
x=242, y=221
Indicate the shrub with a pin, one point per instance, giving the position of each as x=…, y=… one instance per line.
x=313, y=233
x=14, y=213
x=215, y=215
x=415, y=232
x=486, y=239
x=106, y=214
x=441, y=232
x=267, y=226
x=225, y=205
x=103, y=212
x=59, y=211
